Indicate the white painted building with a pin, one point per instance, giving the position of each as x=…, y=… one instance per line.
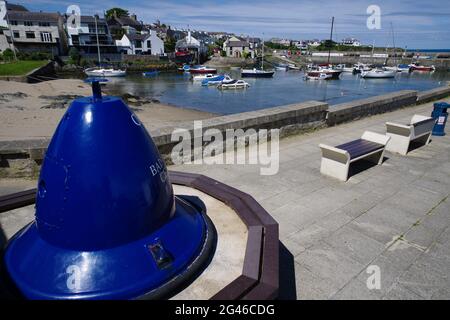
x=145, y=43
x=351, y=42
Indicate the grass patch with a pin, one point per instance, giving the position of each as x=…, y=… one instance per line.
x=19, y=68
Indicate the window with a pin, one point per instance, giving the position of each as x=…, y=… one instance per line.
x=30, y=35
x=16, y=34
x=13, y=22
x=138, y=44
x=149, y=44
x=28, y=23
x=44, y=24
x=46, y=37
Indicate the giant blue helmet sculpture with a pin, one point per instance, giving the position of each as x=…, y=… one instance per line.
x=108, y=225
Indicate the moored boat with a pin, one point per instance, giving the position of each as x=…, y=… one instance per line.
x=393, y=68
x=403, y=67
x=150, y=73
x=216, y=80
x=417, y=67
x=202, y=77
x=235, y=84
x=360, y=67
x=314, y=71
x=256, y=73
x=202, y=70
x=105, y=72
x=378, y=73
x=317, y=76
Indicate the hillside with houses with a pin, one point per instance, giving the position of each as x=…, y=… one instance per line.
x=121, y=36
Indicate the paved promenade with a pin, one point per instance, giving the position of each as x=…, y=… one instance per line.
x=395, y=216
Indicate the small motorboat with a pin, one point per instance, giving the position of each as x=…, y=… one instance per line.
x=256, y=73
x=216, y=80
x=202, y=70
x=343, y=67
x=202, y=77
x=393, y=68
x=403, y=67
x=417, y=67
x=235, y=84
x=185, y=68
x=318, y=76
x=105, y=72
x=360, y=67
x=292, y=66
x=151, y=73
x=314, y=71
x=378, y=73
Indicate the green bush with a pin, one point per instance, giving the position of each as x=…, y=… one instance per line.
x=8, y=54
x=33, y=56
x=246, y=55
x=74, y=55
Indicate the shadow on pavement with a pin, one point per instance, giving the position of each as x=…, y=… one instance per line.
x=361, y=165
x=288, y=289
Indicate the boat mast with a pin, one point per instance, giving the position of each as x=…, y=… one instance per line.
x=373, y=52
x=98, y=45
x=393, y=42
x=262, y=59
x=331, y=40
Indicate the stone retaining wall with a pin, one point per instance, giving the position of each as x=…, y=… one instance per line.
x=353, y=110
x=433, y=94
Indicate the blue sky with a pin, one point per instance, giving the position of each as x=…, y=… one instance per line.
x=417, y=23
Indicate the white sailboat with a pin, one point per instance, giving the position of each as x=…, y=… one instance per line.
x=378, y=73
x=101, y=71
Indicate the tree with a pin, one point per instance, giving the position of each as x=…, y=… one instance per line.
x=169, y=44
x=119, y=12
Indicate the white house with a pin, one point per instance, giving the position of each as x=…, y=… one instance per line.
x=144, y=43
x=314, y=43
x=237, y=48
x=351, y=42
x=197, y=48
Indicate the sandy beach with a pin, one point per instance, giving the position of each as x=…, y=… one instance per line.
x=30, y=111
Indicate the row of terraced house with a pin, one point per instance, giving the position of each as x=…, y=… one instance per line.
x=56, y=33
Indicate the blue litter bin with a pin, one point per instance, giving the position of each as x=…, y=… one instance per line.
x=440, y=114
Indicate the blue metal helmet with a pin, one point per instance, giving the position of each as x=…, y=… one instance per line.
x=108, y=225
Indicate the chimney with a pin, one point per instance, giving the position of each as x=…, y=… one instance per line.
x=134, y=17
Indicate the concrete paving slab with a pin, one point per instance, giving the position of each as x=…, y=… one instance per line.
x=399, y=292
x=424, y=282
x=332, y=266
x=357, y=290
x=355, y=245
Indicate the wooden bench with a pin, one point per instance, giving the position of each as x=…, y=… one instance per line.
x=336, y=160
x=419, y=130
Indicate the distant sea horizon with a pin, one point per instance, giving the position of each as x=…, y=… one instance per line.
x=428, y=50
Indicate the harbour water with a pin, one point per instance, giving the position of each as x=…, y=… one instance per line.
x=284, y=88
